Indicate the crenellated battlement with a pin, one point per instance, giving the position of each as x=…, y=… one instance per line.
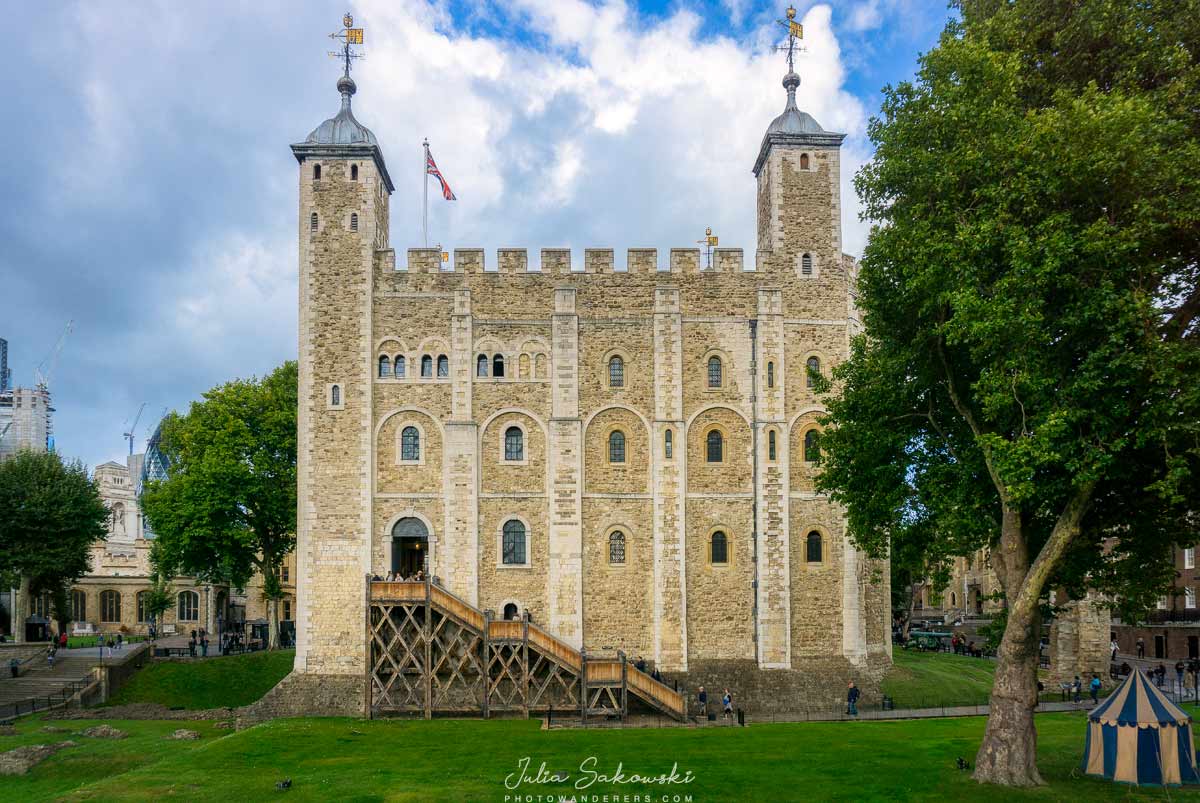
x=559, y=261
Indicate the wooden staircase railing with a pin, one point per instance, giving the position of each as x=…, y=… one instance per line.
x=514, y=669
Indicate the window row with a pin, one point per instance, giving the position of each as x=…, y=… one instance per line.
x=397, y=367
x=514, y=548
x=316, y=174
x=314, y=222
x=513, y=446
x=187, y=606
x=529, y=366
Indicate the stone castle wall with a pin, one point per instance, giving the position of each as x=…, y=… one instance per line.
x=774, y=603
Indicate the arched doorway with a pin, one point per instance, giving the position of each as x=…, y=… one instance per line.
x=510, y=612
x=410, y=547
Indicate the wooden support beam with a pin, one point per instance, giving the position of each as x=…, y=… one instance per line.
x=487, y=662
x=624, y=687
x=428, y=668
x=583, y=690
x=525, y=662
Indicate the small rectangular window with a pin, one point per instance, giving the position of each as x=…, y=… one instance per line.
x=1189, y=558
x=1189, y=595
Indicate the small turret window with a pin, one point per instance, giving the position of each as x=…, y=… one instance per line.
x=316, y=172
x=498, y=365
x=443, y=366
x=481, y=365
x=804, y=161
x=312, y=222
x=335, y=396
x=427, y=366
x=385, y=367
x=399, y=365
x=353, y=221
x=354, y=172
x=806, y=264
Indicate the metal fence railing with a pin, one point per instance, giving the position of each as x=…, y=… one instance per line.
x=44, y=702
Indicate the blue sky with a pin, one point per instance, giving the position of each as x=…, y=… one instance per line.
x=150, y=195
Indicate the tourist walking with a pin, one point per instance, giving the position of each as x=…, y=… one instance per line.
x=1179, y=667
x=14, y=666
x=192, y=645
x=1141, y=649
x=1076, y=688
x=702, y=697
x=62, y=640
x=1113, y=649
x=204, y=646
x=1094, y=687
x=727, y=703
x=852, y=699
x=50, y=655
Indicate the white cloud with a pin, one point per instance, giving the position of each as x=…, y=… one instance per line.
x=621, y=132
x=865, y=16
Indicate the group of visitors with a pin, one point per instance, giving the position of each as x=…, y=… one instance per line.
x=960, y=645
x=199, y=639
x=397, y=577
x=726, y=704
x=1076, y=688
x=640, y=664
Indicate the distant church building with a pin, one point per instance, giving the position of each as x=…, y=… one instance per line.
x=620, y=456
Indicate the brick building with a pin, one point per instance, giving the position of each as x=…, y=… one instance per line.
x=621, y=450
x=1172, y=630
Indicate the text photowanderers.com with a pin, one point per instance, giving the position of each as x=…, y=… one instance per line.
x=590, y=775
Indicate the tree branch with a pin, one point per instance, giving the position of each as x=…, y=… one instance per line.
x=969, y=417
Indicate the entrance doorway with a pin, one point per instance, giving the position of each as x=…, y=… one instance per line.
x=1193, y=647
x=410, y=548
x=1160, y=647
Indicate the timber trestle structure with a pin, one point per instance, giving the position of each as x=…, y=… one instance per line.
x=429, y=652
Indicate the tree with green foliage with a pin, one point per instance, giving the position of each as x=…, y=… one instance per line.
x=50, y=515
x=228, y=506
x=158, y=597
x=1029, y=377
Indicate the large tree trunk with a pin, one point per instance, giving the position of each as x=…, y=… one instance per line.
x=1008, y=754
x=20, y=610
x=272, y=623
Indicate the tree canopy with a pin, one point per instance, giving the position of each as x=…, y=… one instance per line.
x=1027, y=380
x=50, y=515
x=228, y=506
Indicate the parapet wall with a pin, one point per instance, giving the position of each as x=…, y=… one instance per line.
x=559, y=261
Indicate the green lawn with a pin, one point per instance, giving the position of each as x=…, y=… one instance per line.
x=931, y=679
x=346, y=759
x=212, y=683
x=74, y=642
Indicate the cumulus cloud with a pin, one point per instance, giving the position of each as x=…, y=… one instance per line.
x=155, y=200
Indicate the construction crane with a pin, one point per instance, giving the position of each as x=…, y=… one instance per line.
x=4, y=431
x=129, y=436
x=43, y=376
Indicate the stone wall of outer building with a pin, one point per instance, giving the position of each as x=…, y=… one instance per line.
x=1079, y=640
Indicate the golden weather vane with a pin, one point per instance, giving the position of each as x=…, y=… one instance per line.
x=348, y=35
x=795, y=32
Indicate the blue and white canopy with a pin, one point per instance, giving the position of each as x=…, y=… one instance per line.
x=1138, y=736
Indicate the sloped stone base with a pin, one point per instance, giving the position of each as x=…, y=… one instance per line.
x=305, y=695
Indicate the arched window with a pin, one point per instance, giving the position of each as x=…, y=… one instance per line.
x=813, y=547
x=806, y=264
x=539, y=366
x=812, y=446
x=189, y=606
x=953, y=599
x=385, y=366
x=804, y=161
x=443, y=366
x=616, y=447
x=400, y=365
x=770, y=374
x=719, y=548
x=714, y=372
x=498, y=365
x=616, y=547
x=813, y=370
x=335, y=395
x=353, y=221
x=110, y=606
x=316, y=171
x=78, y=605
x=481, y=365
x=410, y=444
x=514, y=444
x=354, y=172
x=513, y=548
x=771, y=445
x=523, y=365
x=41, y=604
x=312, y=222
x=668, y=444
x=427, y=366
x=142, y=614
x=714, y=446
x=616, y=372
x=511, y=613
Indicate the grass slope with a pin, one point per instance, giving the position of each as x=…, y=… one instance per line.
x=344, y=759
x=212, y=683
x=929, y=679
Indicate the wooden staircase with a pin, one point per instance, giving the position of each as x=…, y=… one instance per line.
x=429, y=652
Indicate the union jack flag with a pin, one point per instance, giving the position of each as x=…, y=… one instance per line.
x=432, y=169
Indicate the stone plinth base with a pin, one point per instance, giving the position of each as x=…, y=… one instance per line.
x=813, y=684
x=304, y=695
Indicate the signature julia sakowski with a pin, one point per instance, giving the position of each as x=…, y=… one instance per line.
x=589, y=774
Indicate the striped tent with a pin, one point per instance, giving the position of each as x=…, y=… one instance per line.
x=1138, y=736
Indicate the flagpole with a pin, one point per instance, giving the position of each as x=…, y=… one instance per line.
x=425, y=198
